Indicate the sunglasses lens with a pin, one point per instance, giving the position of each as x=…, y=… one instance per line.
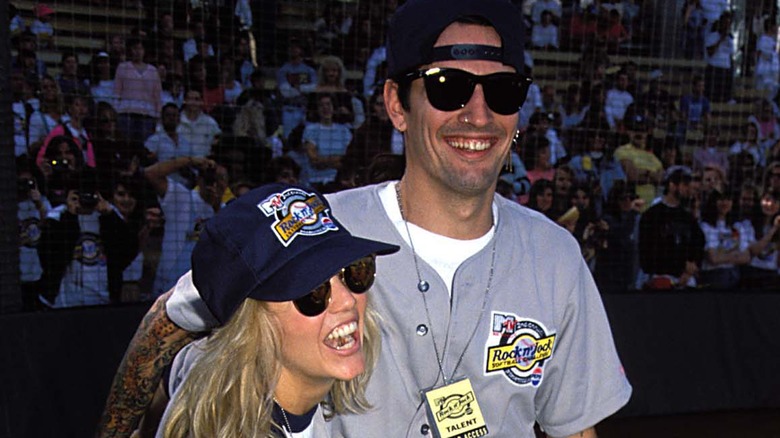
x=359, y=276
x=505, y=93
x=451, y=89
x=448, y=90
x=315, y=302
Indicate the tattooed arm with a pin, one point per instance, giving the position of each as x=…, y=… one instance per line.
x=153, y=346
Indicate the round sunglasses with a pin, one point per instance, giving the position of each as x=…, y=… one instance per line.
x=450, y=89
x=357, y=277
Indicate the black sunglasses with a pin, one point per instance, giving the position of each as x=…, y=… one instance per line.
x=449, y=89
x=358, y=277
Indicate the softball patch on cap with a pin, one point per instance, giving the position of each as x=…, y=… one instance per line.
x=297, y=212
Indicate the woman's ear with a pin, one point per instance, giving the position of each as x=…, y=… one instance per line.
x=393, y=105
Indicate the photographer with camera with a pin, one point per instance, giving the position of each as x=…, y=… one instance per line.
x=32, y=209
x=184, y=211
x=77, y=238
x=62, y=159
x=72, y=126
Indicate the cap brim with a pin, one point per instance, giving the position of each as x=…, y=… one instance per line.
x=306, y=271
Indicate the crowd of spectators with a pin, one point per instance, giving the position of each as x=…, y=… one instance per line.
x=121, y=161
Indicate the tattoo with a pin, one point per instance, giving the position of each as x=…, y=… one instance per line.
x=152, y=348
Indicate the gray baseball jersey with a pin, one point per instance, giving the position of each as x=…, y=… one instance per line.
x=536, y=347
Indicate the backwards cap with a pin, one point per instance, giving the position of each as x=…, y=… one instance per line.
x=417, y=24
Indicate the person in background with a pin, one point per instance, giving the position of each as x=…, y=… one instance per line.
x=77, y=238
x=74, y=127
x=618, y=263
x=544, y=35
x=185, y=212
x=762, y=230
x=293, y=79
x=348, y=109
x=671, y=243
x=325, y=142
x=694, y=23
x=124, y=276
x=750, y=143
x=41, y=27
x=726, y=245
x=137, y=87
x=641, y=166
x=597, y=167
x=710, y=152
x=166, y=143
x=573, y=109
x=32, y=209
x=199, y=129
x=617, y=101
x=719, y=51
x=540, y=197
x=69, y=79
x=102, y=83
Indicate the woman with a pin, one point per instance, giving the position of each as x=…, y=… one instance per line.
x=332, y=77
x=138, y=89
x=49, y=115
x=297, y=341
x=726, y=247
x=73, y=127
x=751, y=144
x=540, y=197
x=618, y=263
x=763, y=233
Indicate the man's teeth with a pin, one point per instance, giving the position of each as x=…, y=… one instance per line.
x=472, y=145
x=341, y=337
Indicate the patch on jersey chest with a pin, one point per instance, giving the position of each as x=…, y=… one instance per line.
x=518, y=348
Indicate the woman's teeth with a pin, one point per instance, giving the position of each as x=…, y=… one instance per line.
x=342, y=337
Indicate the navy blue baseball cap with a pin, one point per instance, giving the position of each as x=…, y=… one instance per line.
x=417, y=24
x=275, y=243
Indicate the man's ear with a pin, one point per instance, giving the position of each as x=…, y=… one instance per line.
x=393, y=105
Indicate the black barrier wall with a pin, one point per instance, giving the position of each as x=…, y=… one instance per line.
x=683, y=353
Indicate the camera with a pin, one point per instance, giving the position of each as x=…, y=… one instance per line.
x=88, y=200
x=25, y=185
x=60, y=165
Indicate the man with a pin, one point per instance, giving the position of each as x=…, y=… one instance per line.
x=695, y=107
x=325, y=143
x=166, y=143
x=452, y=304
x=185, y=211
x=293, y=79
x=671, y=244
x=618, y=100
x=199, y=129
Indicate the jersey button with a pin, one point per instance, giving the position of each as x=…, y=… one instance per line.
x=422, y=330
x=424, y=429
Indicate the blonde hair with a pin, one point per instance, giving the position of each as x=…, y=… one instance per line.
x=333, y=61
x=229, y=391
